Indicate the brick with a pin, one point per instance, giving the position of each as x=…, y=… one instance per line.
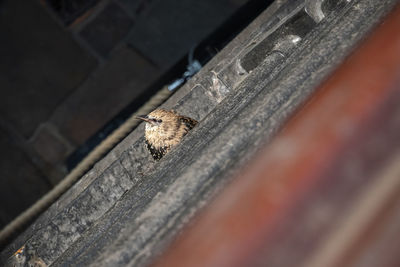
x=21, y=183
x=40, y=64
x=124, y=77
x=107, y=29
x=170, y=29
x=50, y=145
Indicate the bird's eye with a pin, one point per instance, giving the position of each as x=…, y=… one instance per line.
x=156, y=120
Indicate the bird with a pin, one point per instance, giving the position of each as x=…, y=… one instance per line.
x=165, y=129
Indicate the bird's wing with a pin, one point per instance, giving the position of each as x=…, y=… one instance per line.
x=189, y=122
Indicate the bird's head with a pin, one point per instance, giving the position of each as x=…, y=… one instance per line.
x=165, y=129
x=160, y=123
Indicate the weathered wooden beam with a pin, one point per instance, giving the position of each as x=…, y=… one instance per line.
x=311, y=195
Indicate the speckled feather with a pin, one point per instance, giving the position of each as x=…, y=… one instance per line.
x=164, y=130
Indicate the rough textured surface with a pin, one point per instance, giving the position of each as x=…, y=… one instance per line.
x=128, y=208
x=315, y=191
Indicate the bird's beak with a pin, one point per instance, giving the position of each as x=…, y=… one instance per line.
x=144, y=118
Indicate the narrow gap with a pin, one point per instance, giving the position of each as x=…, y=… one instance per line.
x=300, y=25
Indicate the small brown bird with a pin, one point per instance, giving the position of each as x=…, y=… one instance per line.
x=164, y=130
